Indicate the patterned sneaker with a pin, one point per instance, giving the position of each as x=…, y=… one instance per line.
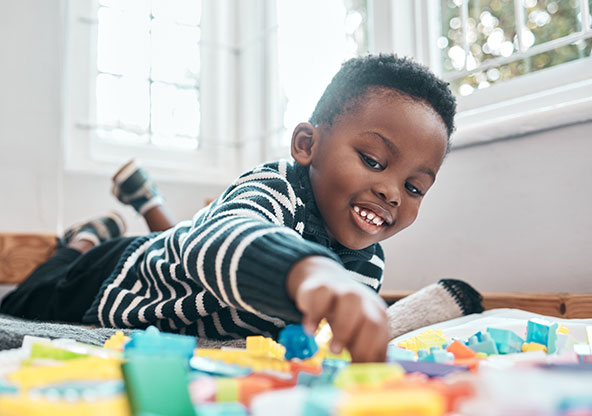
x=96, y=230
x=133, y=186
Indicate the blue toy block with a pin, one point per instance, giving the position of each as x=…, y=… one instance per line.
x=153, y=342
x=394, y=353
x=221, y=409
x=298, y=343
x=321, y=401
x=208, y=366
x=436, y=355
x=487, y=345
x=506, y=341
x=542, y=332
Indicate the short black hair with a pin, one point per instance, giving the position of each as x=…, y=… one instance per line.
x=358, y=76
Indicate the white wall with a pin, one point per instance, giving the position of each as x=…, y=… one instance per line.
x=511, y=215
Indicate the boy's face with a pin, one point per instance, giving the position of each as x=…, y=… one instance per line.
x=371, y=169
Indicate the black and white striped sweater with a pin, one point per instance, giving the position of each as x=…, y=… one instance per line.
x=222, y=274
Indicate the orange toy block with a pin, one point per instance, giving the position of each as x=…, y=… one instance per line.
x=460, y=350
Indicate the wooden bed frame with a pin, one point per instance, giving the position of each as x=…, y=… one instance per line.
x=21, y=253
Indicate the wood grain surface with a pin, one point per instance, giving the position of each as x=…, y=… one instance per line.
x=561, y=305
x=21, y=253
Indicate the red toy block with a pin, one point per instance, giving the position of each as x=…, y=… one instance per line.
x=460, y=350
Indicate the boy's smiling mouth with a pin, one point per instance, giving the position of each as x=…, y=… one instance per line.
x=369, y=220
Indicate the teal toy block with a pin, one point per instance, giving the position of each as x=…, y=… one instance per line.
x=435, y=355
x=394, y=353
x=298, y=343
x=506, y=341
x=157, y=385
x=321, y=401
x=221, y=409
x=487, y=345
x=155, y=343
x=542, y=332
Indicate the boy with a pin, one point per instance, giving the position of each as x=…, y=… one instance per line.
x=285, y=242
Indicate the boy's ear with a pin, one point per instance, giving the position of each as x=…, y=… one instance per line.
x=303, y=141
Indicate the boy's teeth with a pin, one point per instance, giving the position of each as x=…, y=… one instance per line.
x=370, y=217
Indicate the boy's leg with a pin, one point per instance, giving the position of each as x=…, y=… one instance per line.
x=133, y=186
x=34, y=298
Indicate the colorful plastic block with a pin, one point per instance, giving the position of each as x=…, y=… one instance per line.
x=460, y=350
x=435, y=355
x=542, y=332
x=153, y=342
x=506, y=341
x=400, y=402
x=117, y=341
x=297, y=342
x=533, y=346
x=368, y=374
x=487, y=344
x=431, y=369
x=48, y=351
x=25, y=405
x=244, y=359
x=321, y=401
x=157, y=386
x=259, y=346
x=217, y=368
x=425, y=340
x=394, y=353
x=221, y=409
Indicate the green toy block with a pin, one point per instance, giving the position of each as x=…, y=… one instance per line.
x=157, y=386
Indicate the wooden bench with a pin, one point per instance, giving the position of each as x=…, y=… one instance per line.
x=21, y=253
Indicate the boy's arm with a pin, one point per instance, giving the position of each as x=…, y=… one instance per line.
x=321, y=288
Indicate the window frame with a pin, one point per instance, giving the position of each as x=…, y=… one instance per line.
x=507, y=109
x=214, y=161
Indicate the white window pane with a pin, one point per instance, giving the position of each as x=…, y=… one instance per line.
x=332, y=35
x=175, y=112
x=175, y=53
x=186, y=12
x=123, y=44
x=137, y=7
x=550, y=19
x=123, y=103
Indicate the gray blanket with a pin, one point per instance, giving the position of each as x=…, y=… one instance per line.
x=13, y=330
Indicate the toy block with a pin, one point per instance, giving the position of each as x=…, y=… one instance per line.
x=589, y=335
x=435, y=355
x=460, y=350
x=202, y=389
x=368, y=374
x=251, y=386
x=244, y=359
x=259, y=346
x=506, y=341
x=117, y=341
x=297, y=342
x=431, y=369
x=24, y=404
x=564, y=343
x=321, y=401
x=430, y=338
x=394, y=353
x=542, y=332
x=157, y=386
x=533, y=346
x=487, y=344
x=408, y=344
x=48, y=351
x=562, y=329
x=217, y=368
x=227, y=389
x=88, y=368
x=401, y=402
x=152, y=342
x=583, y=352
x=221, y=409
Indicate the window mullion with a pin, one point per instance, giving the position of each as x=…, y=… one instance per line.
x=464, y=16
x=585, y=13
x=519, y=16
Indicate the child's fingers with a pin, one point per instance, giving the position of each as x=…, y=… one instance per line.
x=371, y=341
x=314, y=307
x=344, y=320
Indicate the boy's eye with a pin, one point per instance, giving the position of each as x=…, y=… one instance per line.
x=371, y=162
x=413, y=189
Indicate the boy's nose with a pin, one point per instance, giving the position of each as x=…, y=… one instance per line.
x=391, y=195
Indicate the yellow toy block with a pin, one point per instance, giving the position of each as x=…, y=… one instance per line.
x=368, y=375
x=323, y=337
x=89, y=368
x=533, y=346
x=425, y=340
x=589, y=335
x=562, y=330
x=117, y=341
x=24, y=405
x=259, y=346
x=399, y=402
x=245, y=359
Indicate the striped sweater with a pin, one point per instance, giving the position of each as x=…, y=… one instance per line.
x=222, y=274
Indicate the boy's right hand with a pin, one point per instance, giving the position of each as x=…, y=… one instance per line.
x=321, y=289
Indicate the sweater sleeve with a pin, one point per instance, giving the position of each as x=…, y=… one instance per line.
x=242, y=250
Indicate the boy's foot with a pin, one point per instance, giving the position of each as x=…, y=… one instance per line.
x=96, y=230
x=133, y=186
